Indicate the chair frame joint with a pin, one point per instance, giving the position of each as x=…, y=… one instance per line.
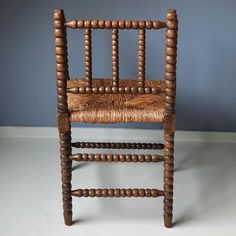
x=170, y=123
x=63, y=122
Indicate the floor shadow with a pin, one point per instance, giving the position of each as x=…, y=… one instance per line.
x=82, y=220
x=205, y=173
x=78, y=166
x=186, y=217
x=212, y=166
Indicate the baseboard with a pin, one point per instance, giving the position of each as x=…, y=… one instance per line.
x=116, y=134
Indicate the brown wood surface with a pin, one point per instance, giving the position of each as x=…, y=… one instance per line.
x=89, y=157
x=88, y=57
x=169, y=120
x=114, y=24
x=92, y=87
x=117, y=192
x=63, y=122
x=110, y=90
x=104, y=145
x=141, y=57
x=115, y=60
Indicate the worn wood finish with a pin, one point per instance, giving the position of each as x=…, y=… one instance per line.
x=117, y=192
x=88, y=57
x=115, y=24
x=169, y=121
x=87, y=157
x=91, y=89
x=115, y=60
x=63, y=122
x=104, y=145
x=141, y=56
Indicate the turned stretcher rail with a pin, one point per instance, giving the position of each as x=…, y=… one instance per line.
x=117, y=192
x=87, y=157
x=115, y=24
x=110, y=90
x=104, y=145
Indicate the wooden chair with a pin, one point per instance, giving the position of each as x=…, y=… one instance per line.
x=114, y=101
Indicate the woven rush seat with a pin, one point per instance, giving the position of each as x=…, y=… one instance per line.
x=113, y=108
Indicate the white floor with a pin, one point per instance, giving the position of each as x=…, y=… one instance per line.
x=30, y=193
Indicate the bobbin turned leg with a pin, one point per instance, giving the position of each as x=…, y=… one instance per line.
x=168, y=169
x=169, y=120
x=66, y=162
x=65, y=151
x=62, y=76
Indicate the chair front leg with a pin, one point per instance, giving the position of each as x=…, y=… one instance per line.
x=65, y=152
x=169, y=133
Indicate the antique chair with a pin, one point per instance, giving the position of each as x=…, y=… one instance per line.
x=113, y=100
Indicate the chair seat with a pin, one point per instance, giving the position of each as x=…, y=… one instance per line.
x=116, y=108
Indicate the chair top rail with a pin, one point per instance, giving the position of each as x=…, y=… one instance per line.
x=115, y=24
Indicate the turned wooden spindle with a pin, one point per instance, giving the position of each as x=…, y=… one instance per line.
x=117, y=192
x=63, y=121
x=90, y=157
x=115, y=24
x=168, y=178
x=170, y=67
x=104, y=145
x=62, y=73
x=115, y=56
x=110, y=90
x=66, y=164
x=169, y=121
x=141, y=57
x=88, y=56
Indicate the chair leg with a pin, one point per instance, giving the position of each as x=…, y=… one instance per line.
x=65, y=151
x=168, y=177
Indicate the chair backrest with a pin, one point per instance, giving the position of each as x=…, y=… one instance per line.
x=171, y=25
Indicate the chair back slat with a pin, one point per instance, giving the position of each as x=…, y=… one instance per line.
x=141, y=57
x=115, y=26
x=115, y=58
x=88, y=57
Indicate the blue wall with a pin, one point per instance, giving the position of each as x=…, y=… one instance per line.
x=206, y=93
